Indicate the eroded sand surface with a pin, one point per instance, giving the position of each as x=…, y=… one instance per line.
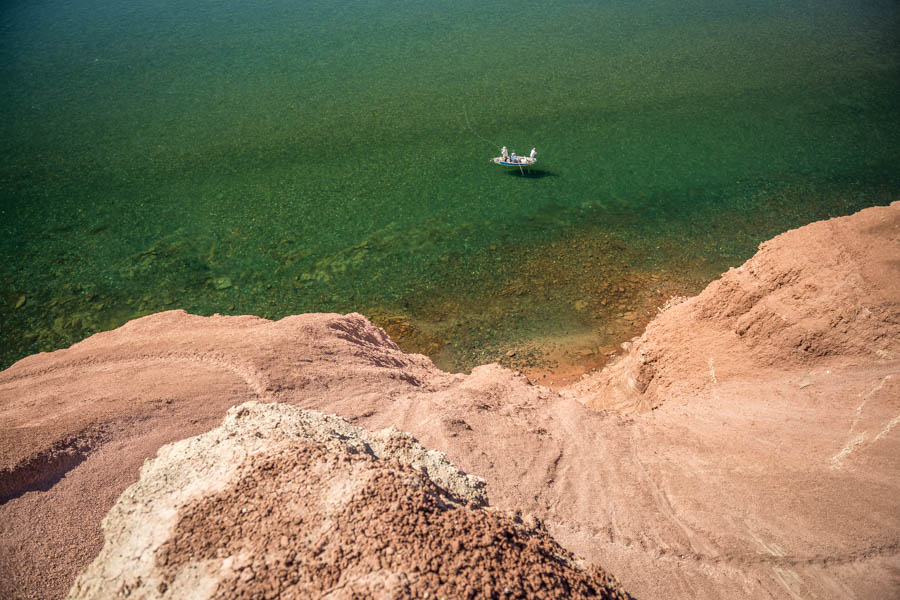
x=746, y=447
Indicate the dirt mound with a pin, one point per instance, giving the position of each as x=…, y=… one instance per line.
x=830, y=289
x=298, y=504
x=755, y=476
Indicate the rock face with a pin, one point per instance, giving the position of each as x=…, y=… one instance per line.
x=746, y=447
x=278, y=500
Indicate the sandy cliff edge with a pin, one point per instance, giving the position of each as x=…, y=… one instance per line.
x=827, y=292
x=767, y=466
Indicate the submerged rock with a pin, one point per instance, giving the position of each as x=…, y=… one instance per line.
x=221, y=283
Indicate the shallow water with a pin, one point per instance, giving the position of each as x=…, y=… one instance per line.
x=274, y=157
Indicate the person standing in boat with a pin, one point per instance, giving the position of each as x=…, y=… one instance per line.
x=534, y=153
x=504, y=153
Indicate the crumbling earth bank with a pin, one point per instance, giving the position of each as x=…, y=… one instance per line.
x=281, y=502
x=828, y=291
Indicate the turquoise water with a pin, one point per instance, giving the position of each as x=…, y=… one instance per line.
x=275, y=157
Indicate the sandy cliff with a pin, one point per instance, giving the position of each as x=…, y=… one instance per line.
x=766, y=467
x=826, y=293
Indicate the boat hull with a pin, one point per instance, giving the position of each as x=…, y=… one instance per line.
x=524, y=161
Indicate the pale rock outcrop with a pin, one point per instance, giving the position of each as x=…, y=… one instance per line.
x=301, y=504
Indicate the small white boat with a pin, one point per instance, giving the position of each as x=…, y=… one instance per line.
x=518, y=161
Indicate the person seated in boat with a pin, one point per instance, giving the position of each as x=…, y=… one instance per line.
x=513, y=158
x=504, y=154
x=534, y=153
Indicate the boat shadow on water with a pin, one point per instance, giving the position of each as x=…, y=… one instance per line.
x=531, y=173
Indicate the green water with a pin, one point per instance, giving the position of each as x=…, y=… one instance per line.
x=276, y=157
